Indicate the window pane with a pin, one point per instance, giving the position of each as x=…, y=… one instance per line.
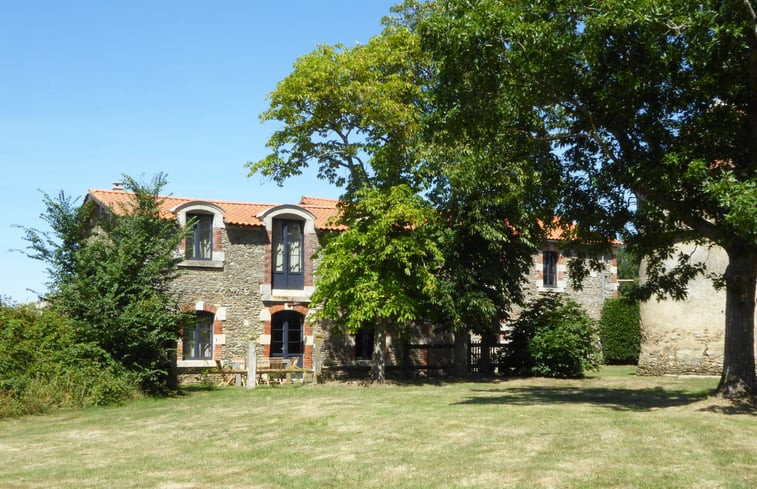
x=277, y=338
x=205, y=237
x=197, y=343
x=200, y=240
x=278, y=246
x=205, y=339
x=294, y=239
x=550, y=268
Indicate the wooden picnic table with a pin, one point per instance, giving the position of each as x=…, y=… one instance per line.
x=275, y=368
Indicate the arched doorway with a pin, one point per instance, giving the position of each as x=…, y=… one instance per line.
x=287, y=334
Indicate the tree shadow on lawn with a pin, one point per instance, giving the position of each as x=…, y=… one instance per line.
x=612, y=398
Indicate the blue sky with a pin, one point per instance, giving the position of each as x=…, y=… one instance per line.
x=91, y=90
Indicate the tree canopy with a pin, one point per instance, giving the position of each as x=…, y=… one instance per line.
x=381, y=272
x=362, y=114
x=651, y=109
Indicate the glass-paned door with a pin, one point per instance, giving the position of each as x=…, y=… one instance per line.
x=287, y=334
x=288, y=255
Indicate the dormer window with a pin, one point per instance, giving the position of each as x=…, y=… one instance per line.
x=203, y=246
x=289, y=267
x=288, y=255
x=200, y=239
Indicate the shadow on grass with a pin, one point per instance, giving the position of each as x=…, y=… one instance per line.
x=736, y=406
x=612, y=398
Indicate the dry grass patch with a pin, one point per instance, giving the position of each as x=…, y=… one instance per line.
x=610, y=430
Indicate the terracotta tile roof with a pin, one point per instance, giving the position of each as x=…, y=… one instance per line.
x=235, y=213
x=245, y=213
x=324, y=210
x=318, y=201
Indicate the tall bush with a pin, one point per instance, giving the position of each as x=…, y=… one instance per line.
x=111, y=273
x=553, y=337
x=620, y=331
x=43, y=365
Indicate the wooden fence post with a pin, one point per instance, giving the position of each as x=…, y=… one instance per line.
x=252, y=365
x=317, y=356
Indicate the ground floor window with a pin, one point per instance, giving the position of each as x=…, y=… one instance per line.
x=286, y=334
x=364, y=344
x=197, y=341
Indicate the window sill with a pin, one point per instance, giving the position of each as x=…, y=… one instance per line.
x=195, y=363
x=201, y=264
x=292, y=295
x=554, y=290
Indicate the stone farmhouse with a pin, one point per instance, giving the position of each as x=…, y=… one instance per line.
x=248, y=273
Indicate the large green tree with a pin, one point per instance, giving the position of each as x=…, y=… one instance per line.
x=649, y=106
x=381, y=272
x=362, y=115
x=111, y=272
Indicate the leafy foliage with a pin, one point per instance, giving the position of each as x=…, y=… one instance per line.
x=628, y=269
x=44, y=365
x=381, y=271
x=648, y=106
x=362, y=114
x=553, y=337
x=353, y=111
x=620, y=331
x=111, y=273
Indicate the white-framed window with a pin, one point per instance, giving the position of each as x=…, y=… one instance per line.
x=199, y=244
x=197, y=340
x=203, y=220
x=549, y=269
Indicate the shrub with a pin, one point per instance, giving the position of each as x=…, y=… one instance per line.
x=620, y=331
x=43, y=366
x=553, y=337
x=111, y=274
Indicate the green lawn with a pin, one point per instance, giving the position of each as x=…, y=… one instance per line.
x=610, y=430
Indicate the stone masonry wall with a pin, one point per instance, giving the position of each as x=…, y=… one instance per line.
x=235, y=287
x=686, y=337
x=597, y=286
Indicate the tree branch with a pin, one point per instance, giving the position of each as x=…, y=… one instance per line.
x=752, y=17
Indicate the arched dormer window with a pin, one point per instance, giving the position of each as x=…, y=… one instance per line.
x=202, y=246
x=289, y=227
x=199, y=245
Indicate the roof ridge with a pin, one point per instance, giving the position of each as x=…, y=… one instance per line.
x=193, y=198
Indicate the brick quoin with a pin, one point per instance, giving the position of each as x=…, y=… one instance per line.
x=268, y=263
x=217, y=245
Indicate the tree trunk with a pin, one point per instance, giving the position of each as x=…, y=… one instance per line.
x=378, y=359
x=485, y=367
x=460, y=354
x=405, y=357
x=738, y=378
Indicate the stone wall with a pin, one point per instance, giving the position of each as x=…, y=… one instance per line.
x=597, y=286
x=686, y=337
x=234, y=289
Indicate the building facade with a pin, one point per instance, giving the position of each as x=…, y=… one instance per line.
x=247, y=273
